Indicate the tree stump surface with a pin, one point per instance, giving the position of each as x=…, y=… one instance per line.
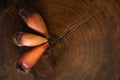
x=85, y=40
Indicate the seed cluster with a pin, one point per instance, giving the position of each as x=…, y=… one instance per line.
x=35, y=22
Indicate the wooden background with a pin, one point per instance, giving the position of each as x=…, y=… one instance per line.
x=87, y=34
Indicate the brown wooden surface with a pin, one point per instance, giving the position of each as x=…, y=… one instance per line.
x=89, y=50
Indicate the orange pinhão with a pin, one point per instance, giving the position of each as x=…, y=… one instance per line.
x=34, y=21
x=30, y=58
x=28, y=39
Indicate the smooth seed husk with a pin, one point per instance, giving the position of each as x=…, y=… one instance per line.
x=30, y=58
x=28, y=39
x=34, y=21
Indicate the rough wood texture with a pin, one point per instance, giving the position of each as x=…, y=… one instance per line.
x=89, y=48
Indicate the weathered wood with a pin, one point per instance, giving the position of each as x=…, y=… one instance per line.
x=88, y=34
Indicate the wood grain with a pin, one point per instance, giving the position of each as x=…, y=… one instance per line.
x=85, y=40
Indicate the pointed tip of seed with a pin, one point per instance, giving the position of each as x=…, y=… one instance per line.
x=22, y=68
x=17, y=38
x=25, y=13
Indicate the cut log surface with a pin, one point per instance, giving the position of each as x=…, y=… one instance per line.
x=84, y=42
